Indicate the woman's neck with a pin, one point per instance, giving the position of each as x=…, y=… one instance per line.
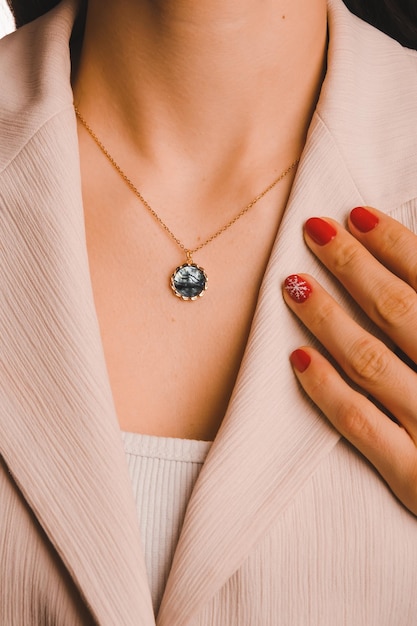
x=203, y=82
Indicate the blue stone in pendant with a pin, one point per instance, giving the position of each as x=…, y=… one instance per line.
x=189, y=281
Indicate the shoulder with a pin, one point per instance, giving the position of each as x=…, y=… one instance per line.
x=35, y=70
x=368, y=104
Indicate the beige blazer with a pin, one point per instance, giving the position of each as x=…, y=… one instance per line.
x=287, y=525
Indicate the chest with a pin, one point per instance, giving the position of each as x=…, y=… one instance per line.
x=172, y=364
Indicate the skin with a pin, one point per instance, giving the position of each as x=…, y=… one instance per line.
x=196, y=101
x=202, y=104
x=383, y=282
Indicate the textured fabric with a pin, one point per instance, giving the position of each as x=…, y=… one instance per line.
x=286, y=524
x=163, y=472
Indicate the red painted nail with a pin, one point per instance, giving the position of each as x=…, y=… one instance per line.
x=319, y=230
x=297, y=288
x=300, y=360
x=363, y=219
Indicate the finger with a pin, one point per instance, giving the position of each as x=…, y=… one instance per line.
x=388, y=300
x=363, y=357
x=387, y=445
x=388, y=240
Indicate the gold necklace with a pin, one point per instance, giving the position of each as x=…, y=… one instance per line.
x=189, y=281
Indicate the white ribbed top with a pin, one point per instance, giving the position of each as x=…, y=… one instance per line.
x=163, y=472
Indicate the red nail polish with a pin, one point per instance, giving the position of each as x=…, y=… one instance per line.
x=297, y=288
x=363, y=219
x=300, y=360
x=320, y=231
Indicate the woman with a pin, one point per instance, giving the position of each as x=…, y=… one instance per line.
x=185, y=114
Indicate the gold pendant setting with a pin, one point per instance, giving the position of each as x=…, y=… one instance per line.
x=189, y=281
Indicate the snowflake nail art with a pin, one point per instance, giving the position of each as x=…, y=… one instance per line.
x=297, y=288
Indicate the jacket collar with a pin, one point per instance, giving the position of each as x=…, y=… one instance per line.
x=58, y=429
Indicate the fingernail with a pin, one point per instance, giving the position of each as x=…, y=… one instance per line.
x=320, y=231
x=363, y=219
x=300, y=360
x=297, y=288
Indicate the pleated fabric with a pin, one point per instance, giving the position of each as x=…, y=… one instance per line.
x=163, y=471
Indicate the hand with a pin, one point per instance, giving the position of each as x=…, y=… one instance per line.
x=377, y=263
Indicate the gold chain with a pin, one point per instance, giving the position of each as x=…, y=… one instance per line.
x=188, y=251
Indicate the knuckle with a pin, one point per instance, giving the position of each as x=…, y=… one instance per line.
x=391, y=239
x=346, y=256
x=394, y=306
x=320, y=384
x=368, y=361
x=353, y=422
x=323, y=314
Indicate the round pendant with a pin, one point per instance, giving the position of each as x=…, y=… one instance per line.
x=189, y=281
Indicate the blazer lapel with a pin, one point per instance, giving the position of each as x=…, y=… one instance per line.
x=58, y=430
x=272, y=438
